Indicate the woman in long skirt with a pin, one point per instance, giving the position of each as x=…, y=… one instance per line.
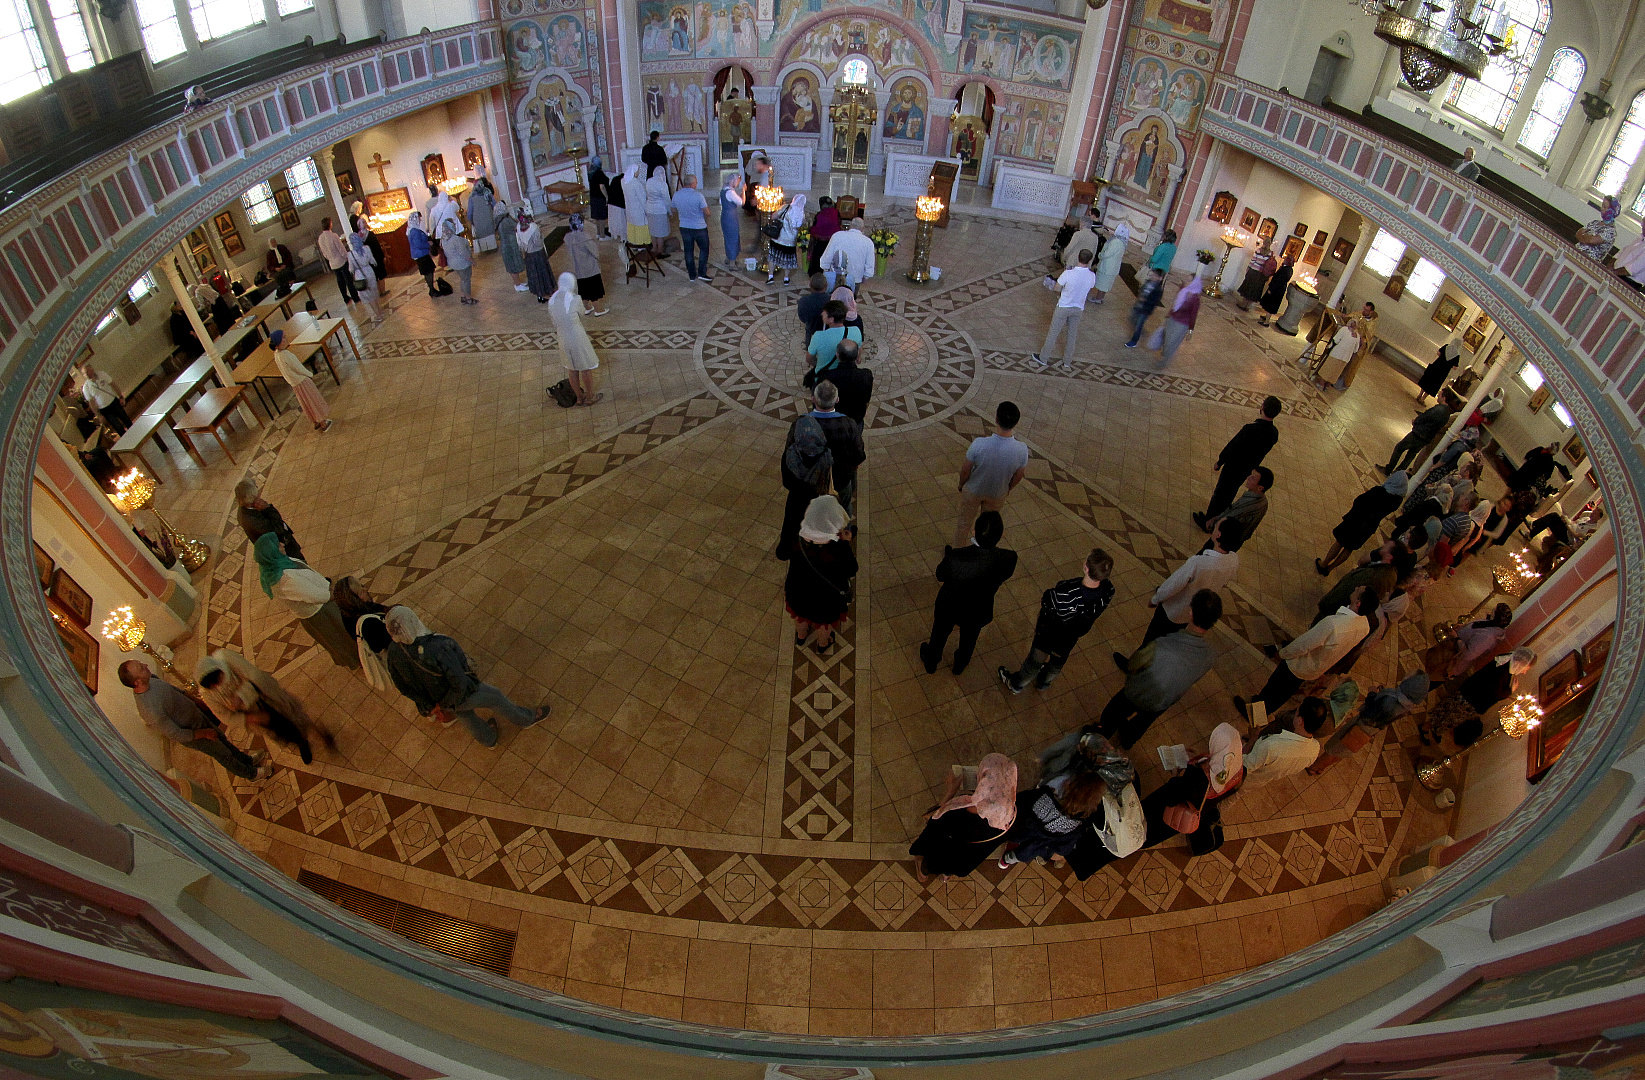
x=1109, y=261
x=597, y=208
x=508, y=242
x=781, y=253
x=616, y=208
x=817, y=591
x=1274, y=297
x=360, y=264
x=731, y=208
x=566, y=309
x=657, y=204
x=965, y=828
x=297, y=377
x=1184, y=313
x=539, y=275
x=634, y=196
x=585, y=267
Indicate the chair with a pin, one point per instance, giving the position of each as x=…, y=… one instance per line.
x=642, y=258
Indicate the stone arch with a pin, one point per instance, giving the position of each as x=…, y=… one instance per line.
x=788, y=51
x=525, y=121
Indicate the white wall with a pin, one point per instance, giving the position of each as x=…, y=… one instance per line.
x=1284, y=42
x=129, y=353
x=406, y=140
x=319, y=23
x=436, y=14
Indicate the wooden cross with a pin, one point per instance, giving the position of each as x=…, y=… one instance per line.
x=380, y=163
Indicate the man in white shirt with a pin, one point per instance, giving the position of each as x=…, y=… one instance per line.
x=1286, y=746
x=335, y=252
x=1073, y=286
x=1310, y=656
x=848, y=256
x=1212, y=568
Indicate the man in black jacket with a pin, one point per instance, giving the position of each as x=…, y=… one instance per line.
x=1243, y=453
x=1426, y=429
x=844, y=440
x=258, y=516
x=437, y=676
x=970, y=576
x=1067, y=611
x=855, y=384
x=653, y=156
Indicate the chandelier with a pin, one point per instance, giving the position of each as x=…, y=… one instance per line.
x=1439, y=38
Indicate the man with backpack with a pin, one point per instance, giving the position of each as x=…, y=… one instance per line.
x=433, y=671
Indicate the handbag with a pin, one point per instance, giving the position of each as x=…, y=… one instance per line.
x=772, y=230
x=845, y=593
x=1208, y=837
x=1184, y=818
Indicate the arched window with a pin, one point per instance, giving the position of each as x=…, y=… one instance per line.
x=854, y=72
x=1624, y=150
x=1553, y=101
x=1491, y=98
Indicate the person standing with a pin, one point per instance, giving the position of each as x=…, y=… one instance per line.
x=1165, y=253
x=855, y=384
x=971, y=576
x=437, y=676
x=307, y=595
x=301, y=382
x=257, y=516
x=1273, y=297
x=616, y=208
x=1466, y=167
x=507, y=231
x=335, y=252
x=652, y=154
x=183, y=337
x=585, y=266
x=731, y=208
x=1438, y=373
x=1068, y=610
x=807, y=471
x=844, y=437
x=248, y=701
x=1241, y=454
x=1161, y=672
x=1184, y=314
x=1153, y=291
x=994, y=465
x=421, y=250
x=565, y=308
x=1210, y=569
x=1108, y=264
x=634, y=197
x=98, y=391
x=1311, y=655
x=281, y=267
x=1286, y=746
x=692, y=210
x=781, y=253
x=823, y=228
x=849, y=257
x=1249, y=509
x=964, y=829
x=598, y=210
x=809, y=308
x=1261, y=268
x=823, y=348
x=364, y=269
x=460, y=258
x=817, y=591
x=1072, y=287
x=1344, y=344
x=1429, y=425
x=173, y=715
x=657, y=203
x=539, y=276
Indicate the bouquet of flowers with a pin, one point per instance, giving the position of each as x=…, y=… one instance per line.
x=1205, y=257
x=885, y=242
x=802, y=239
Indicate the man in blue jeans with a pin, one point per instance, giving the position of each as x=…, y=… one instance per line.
x=693, y=211
x=432, y=670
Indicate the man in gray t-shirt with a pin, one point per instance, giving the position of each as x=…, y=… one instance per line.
x=174, y=715
x=993, y=466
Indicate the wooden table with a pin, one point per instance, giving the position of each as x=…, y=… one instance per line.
x=323, y=332
x=572, y=197
x=281, y=304
x=209, y=414
x=159, y=411
x=260, y=365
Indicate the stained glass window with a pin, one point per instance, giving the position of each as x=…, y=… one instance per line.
x=1491, y=98
x=1553, y=101
x=1613, y=173
x=854, y=71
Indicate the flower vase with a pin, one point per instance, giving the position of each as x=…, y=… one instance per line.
x=879, y=264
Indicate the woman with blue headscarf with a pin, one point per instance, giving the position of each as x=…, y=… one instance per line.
x=308, y=596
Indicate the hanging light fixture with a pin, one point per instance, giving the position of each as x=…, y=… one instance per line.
x=1435, y=42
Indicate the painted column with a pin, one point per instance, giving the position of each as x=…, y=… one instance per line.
x=180, y=291
x=824, y=161
x=767, y=99
x=328, y=175
x=1354, y=260
x=500, y=145
x=625, y=122
x=1483, y=390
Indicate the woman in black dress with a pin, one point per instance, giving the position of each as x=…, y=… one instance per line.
x=1275, y=295
x=1051, y=816
x=807, y=468
x=963, y=829
x=818, y=589
x=1361, y=521
x=1435, y=375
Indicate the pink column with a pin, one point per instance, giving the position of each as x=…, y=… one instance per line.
x=99, y=517
x=1085, y=162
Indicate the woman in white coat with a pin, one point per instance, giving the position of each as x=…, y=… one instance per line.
x=1343, y=347
x=634, y=195
x=565, y=307
x=1108, y=263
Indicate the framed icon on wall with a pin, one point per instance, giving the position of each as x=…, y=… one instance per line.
x=1249, y=219
x=1222, y=207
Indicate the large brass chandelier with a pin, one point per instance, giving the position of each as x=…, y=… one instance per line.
x=1436, y=39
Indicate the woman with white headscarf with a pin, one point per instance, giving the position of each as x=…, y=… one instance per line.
x=440, y=209
x=507, y=231
x=634, y=199
x=1108, y=262
x=782, y=253
x=364, y=269
x=818, y=588
x=459, y=257
x=656, y=209
x=584, y=250
x=248, y=700
x=565, y=307
x=539, y=276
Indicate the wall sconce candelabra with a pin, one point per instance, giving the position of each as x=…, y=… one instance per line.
x=129, y=632
x=133, y=491
x=1516, y=720
x=928, y=209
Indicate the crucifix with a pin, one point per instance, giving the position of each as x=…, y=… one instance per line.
x=380, y=163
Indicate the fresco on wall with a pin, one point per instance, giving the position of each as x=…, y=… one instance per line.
x=557, y=127
x=799, y=109
x=666, y=31
x=674, y=103
x=1147, y=86
x=827, y=43
x=1028, y=128
x=1017, y=51
x=905, y=110
x=928, y=16
x=534, y=44
x=526, y=51
x=1183, y=95
x=1204, y=21
x=1146, y=153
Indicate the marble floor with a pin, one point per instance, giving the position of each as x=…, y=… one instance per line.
x=712, y=826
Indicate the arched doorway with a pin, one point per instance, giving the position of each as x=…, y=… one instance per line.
x=968, y=132
x=852, y=114
x=733, y=112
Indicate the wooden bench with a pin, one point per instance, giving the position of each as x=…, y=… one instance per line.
x=209, y=414
x=159, y=411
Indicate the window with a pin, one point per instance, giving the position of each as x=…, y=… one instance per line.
x=1386, y=251
x=1491, y=98
x=105, y=322
x=294, y=7
x=855, y=71
x=1530, y=377
x=70, y=24
x=220, y=18
x=259, y=204
x=1553, y=101
x=303, y=179
x=144, y=287
x=1563, y=414
x=1425, y=281
x=1613, y=173
x=162, y=33
x=22, y=62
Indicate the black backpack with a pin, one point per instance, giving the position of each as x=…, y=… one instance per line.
x=442, y=287
x=563, y=395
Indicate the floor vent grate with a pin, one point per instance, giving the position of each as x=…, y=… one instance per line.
x=483, y=946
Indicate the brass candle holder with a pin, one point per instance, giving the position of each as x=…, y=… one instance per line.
x=928, y=209
x=134, y=491
x=129, y=632
x=1231, y=238
x=767, y=201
